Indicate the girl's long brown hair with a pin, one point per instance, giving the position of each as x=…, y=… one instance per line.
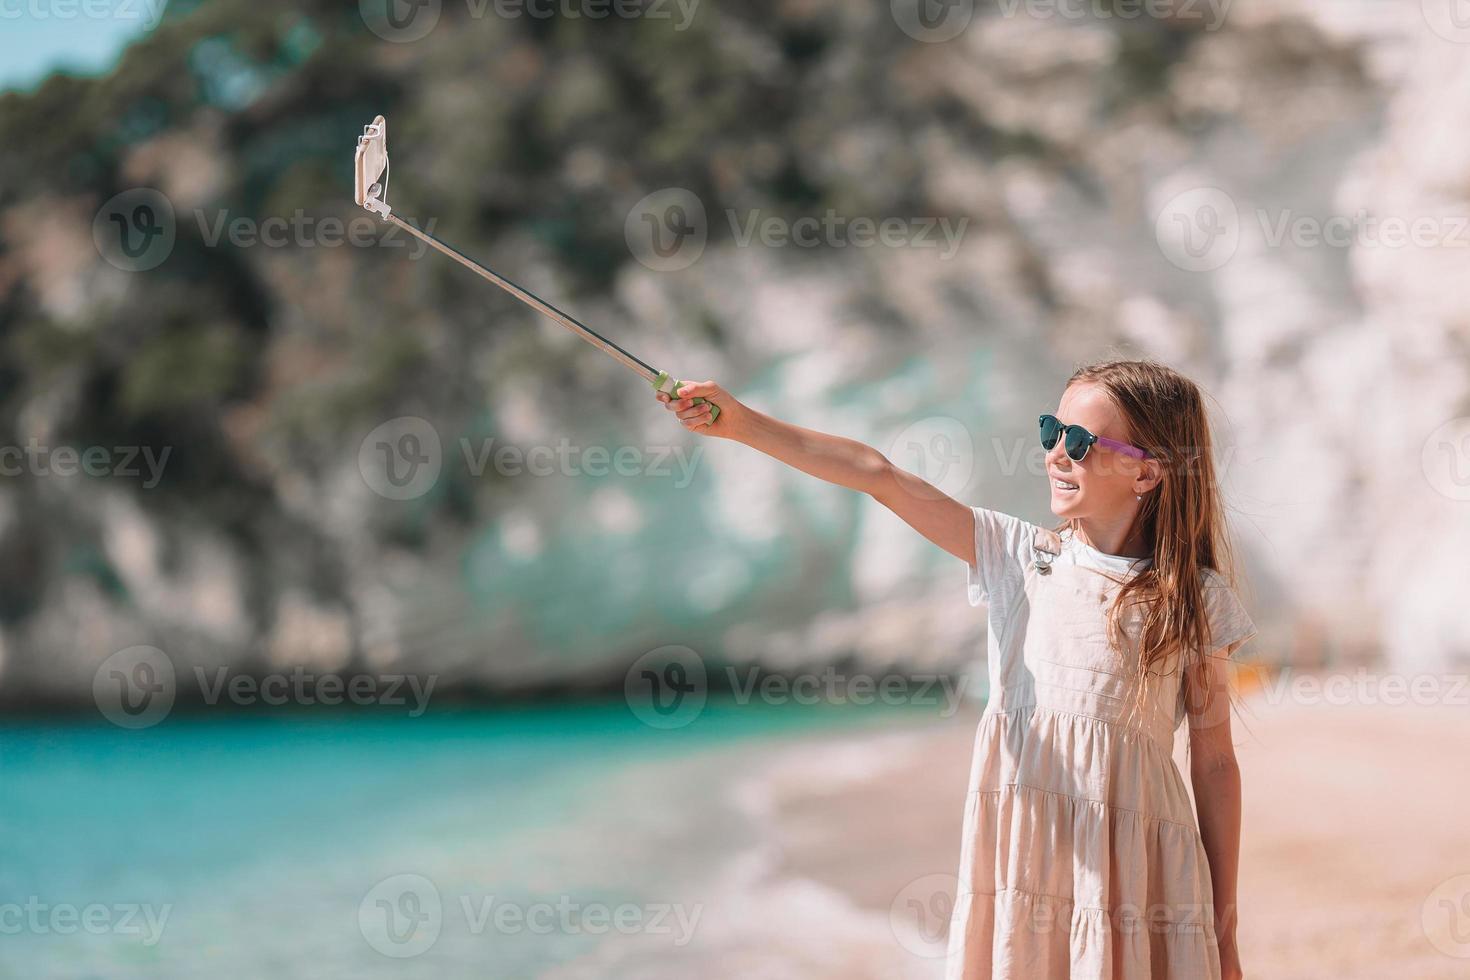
x=1182, y=518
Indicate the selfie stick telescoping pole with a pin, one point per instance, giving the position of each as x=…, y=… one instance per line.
x=371, y=166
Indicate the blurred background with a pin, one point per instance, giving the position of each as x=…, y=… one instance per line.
x=356, y=621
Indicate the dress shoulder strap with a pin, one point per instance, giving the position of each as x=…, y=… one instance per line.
x=1046, y=544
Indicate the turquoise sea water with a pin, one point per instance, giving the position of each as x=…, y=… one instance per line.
x=279, y=845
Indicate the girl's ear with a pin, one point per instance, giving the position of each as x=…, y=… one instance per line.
x=1150, y=475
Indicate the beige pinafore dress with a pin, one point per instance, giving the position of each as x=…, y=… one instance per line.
x=1081, y=855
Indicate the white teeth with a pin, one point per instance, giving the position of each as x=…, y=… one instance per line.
x=1063, y=486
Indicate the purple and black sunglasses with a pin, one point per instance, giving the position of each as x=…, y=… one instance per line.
x=1078, y=440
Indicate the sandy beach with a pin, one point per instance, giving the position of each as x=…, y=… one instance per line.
x=1354, y=833
x=1355, y=863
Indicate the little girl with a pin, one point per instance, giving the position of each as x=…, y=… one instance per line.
x=1081, y=856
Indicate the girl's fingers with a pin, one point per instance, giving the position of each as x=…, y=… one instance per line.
x=698, y=389
x=694, y=411
x=690, y=415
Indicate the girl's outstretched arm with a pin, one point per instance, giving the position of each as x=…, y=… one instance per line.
x=845, y=462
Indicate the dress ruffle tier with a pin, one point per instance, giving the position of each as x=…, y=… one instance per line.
x=1092, y=867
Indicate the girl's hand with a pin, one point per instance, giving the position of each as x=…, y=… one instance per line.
x=696, y=418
